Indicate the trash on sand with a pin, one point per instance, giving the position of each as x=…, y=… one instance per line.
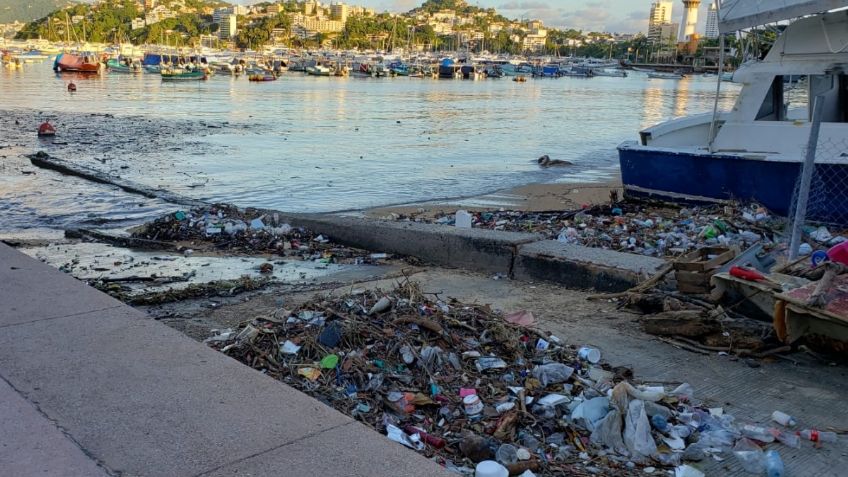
x=458, y=382
x=522, y=318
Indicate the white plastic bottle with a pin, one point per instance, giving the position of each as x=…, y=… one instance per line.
x=818, y=436
x=783, y=419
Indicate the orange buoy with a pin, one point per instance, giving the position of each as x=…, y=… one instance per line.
x=46, y=129
x=72, y=87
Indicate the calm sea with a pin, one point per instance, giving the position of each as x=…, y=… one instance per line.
x=313, y=144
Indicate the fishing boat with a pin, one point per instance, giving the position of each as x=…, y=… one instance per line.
x=448, y=69
x=317, y=69
x=755, y=150
x=82, y=63
x=663, y=75
x=123, y=65
x=173, y=74
x=262, y=77
x=614, y=73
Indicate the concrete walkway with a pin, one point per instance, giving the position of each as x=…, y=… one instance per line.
x=89, y=386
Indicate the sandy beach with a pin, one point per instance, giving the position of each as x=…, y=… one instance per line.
x=526, y=198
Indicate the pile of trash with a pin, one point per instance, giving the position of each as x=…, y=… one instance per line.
x=633, y=226
x=248, y=231
x=470, y=387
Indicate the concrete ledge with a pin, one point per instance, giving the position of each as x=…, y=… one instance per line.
x=112, y=389
x=481, y=250
x=576, y=266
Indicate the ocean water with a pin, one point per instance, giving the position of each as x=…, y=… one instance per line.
x=313, y=144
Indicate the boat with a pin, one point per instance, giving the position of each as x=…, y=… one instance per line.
x=663, y=75
x=317, y=69
x=754, y=151
x=448, y=69
x=82, y=63
x=614, y=73
x=399, y=69
x=123, y=65
x=173, y=74
x=262, y=77
x=519, y=79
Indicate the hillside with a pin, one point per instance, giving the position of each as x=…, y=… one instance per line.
x=27, y=10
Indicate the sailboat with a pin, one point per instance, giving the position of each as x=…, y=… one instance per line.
x=755, y=150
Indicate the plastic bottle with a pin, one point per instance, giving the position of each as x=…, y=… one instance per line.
x=786, y=438
x=783, y=419
x=757, y=433
x=818, y=436
x=774, y=466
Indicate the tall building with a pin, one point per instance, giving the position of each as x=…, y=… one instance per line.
x=712, y=22
x=228, y=27
x=690, y=20
x=660, y=15
x=339, y=12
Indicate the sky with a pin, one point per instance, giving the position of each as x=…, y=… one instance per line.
x=619, y=16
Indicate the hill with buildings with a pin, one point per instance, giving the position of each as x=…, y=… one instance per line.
x=434, y=25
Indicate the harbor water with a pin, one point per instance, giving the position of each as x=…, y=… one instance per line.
x=310, y=144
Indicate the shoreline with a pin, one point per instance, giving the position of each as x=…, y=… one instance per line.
x=531, y=197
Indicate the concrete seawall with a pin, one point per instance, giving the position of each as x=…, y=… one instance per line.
x=518, y=255
x=523, y=256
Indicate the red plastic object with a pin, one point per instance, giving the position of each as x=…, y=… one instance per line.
x=839, y=253
x=747, y=274
x=46, y=129
x=434, y=441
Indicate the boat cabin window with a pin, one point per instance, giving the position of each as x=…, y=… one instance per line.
x=788, y=98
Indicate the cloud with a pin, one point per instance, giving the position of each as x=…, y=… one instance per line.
x=525, y=6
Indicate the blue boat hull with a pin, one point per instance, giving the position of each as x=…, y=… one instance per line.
x=693, y=177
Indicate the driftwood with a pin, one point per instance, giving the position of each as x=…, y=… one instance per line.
x=688, y=323
x=642, y=287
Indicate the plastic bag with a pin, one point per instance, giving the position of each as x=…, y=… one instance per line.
x=588, y=413
x=750, y=455
x=637, y=431
x=608, y=432
x=552, y=373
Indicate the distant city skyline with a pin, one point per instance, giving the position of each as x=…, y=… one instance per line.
x=621, y=16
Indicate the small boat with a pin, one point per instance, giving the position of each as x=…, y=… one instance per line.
x=519, y=79
x=318, y=70
x=84, y=63
x=182, y=75
x=661, y=75
x=609, y=72
x=262, y=78
x=117, y=65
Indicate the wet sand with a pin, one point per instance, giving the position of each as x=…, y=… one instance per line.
x=527, y=198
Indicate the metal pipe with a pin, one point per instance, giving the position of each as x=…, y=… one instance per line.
x=806, y=178
x=713, y=125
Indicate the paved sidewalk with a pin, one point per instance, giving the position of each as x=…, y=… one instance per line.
x=89, y=386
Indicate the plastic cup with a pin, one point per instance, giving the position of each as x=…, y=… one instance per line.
x=490, y=468
x=592, y=355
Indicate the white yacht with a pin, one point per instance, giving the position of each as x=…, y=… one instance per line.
x=755, y=150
